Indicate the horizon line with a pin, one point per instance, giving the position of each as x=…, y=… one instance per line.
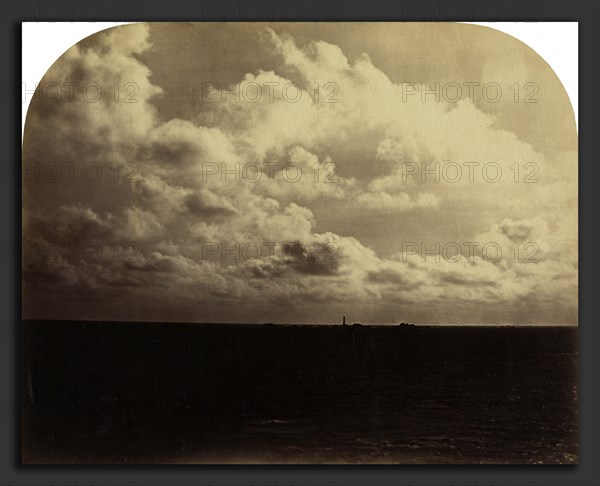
x=331, y=324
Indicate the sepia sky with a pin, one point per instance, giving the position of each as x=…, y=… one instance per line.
x=287, y=173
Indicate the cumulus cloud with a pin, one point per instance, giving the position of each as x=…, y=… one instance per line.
x=228, y=214
x=400, y=201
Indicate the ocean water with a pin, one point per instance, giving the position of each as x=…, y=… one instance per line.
x=143, y=393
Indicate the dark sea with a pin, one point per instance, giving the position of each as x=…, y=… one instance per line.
x=145, y=393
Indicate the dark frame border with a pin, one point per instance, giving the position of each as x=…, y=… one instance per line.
x=13, y=12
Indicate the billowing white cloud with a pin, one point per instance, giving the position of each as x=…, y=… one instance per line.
x=221, y=215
